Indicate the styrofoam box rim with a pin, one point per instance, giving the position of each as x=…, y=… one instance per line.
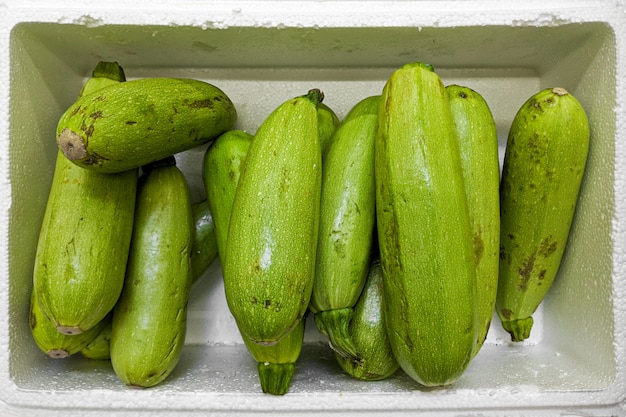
x=345, y=14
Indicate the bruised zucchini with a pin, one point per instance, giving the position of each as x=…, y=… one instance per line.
x=347, y=224
x=270, y=253
x=150, y=318
x=85, y=235
x=424, y=231
x=478, y=143
x=128, y=125
x=544, y=163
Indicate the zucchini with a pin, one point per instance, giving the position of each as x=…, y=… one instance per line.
x=276, y=363
x=347, y=224
x=543, y=168
x=99, y=349
x=150, y=318
x=424, y=231
x=204, y=244
x=478, y=143
x=369, y=334
x=222, y=165
x=327, y=121
x=223, y=162
x=54, y=344
x=85, y=235
x=269, y=265
x=128, y=125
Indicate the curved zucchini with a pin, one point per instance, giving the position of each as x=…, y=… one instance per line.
x=424, y=230
x=58, y=345
x=128, y=125
x=544, y=163
x=85, y=235
x=150, y=318
x=347, y=224
x=204, y=245
x=369, y=334
x=478, y=143
x=270, y=255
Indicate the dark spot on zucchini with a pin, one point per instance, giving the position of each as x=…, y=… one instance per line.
x=131, y=123
x=201, y=104
x=547, y=247
x=267, y=303
x=511, y=236
x=525, y=273
x=96, y=115
x=462, y=94
x=542, y=275
x=479, y=246
x=254, y=300
x=506, y=313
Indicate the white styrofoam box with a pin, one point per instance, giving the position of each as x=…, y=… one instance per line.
x=262, y=53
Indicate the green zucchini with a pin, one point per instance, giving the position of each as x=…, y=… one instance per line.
x=347, y=224
x=54, y=344
x=270, y=253
x=223, y=162
x=424, y=231
x=369, y=334
x=276, y=363
x=544, y=163
x=150, y=318
x=85, y=235
x=478, y=143
x=327, y=121
x=204, y=244
x=222, y=165
x=128, y=125
x=100, y=347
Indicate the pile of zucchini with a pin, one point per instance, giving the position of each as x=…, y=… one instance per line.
x=394, y=227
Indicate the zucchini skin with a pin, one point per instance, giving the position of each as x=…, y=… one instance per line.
x=150, y=318
x=204, y=244
x=270, y=254
x=99, y=349
x=127, y=126
x=347, y=224
x=276, y=363
x=369, y=334
x=543, y=168
x=222, y=165
x=58, y=345
x=85, y=234
x=424, y=232
x=478, y=143
x=328, y=122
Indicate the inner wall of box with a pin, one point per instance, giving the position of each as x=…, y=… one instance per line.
x=572, y=344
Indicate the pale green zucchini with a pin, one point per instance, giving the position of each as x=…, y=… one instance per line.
x=276, y=364
x=85, y=235
x=478, y=143
x=369, y=334
x=128, y=125
x=54, y=344
x=270, y=255
x=222, y=165
x=223, y=162
x=347, y=224
x=100, y=347
x=424, y=230
x=150, y=318
x=544, y=163
x=328, y=122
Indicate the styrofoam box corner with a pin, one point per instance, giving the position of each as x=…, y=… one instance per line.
x=262, y=53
